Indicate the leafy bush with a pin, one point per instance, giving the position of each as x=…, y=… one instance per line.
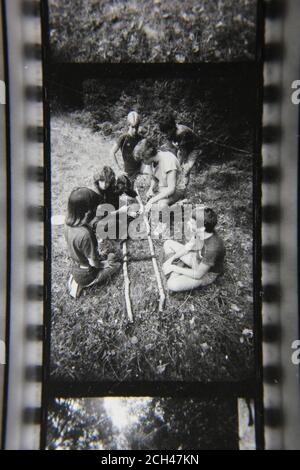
x=219, y=106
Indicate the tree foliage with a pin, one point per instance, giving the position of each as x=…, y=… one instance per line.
x=81, y=425
x=220, y=106
x=158, y=424
x=186, y=424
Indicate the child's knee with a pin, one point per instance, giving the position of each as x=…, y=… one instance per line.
x=168, y=246
x=163, y=204
x=174, y=284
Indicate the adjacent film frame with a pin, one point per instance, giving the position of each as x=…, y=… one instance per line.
x=27, y=135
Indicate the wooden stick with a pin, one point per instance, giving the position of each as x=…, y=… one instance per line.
x=127, y=283
x=162, y=296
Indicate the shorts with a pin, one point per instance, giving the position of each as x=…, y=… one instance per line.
x=177, y=196
x=86, y=277
x=132, y=173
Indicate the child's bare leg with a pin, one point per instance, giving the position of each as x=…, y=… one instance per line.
x=171, y=247
x=163, y=204
x=180, y=283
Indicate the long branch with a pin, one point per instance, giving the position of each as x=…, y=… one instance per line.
x=162, y=295
x=127, y=283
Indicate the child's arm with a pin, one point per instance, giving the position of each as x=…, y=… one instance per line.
x=165, y=193
x=196, y=274
x=187, y=248
x=122, y=210
x=189, y=165
x=115, y=150
x=168, y=266
x=97, y=263
x=150, y=191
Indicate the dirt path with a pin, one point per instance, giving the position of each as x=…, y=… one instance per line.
x=77, y=153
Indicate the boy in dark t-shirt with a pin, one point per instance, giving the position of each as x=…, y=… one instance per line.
x=126, y=144
x=184, y=142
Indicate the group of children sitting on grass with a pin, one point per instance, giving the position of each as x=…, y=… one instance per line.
x=188, y=266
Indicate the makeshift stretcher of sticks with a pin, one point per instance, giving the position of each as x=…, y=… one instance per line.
x=162, y=296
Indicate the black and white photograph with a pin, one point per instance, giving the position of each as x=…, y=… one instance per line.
x=149, y=278
x=133, y=298
x=154, y=116
x=149, y=423
x=152, y=31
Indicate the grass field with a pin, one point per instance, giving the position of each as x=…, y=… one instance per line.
x=152, y=30
x=202, y=336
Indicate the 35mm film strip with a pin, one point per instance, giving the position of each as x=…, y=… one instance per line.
x=24, y=84
x=3, y=235
x=279, y=232
x=26, y=280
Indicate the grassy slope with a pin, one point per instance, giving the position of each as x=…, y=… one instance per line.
x=199, y=336
x=152, y=30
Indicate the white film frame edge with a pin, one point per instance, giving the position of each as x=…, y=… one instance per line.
x=24, y=394
x=3, y=224
x=281, y=395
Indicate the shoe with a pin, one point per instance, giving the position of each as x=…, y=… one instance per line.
x=74, y=289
